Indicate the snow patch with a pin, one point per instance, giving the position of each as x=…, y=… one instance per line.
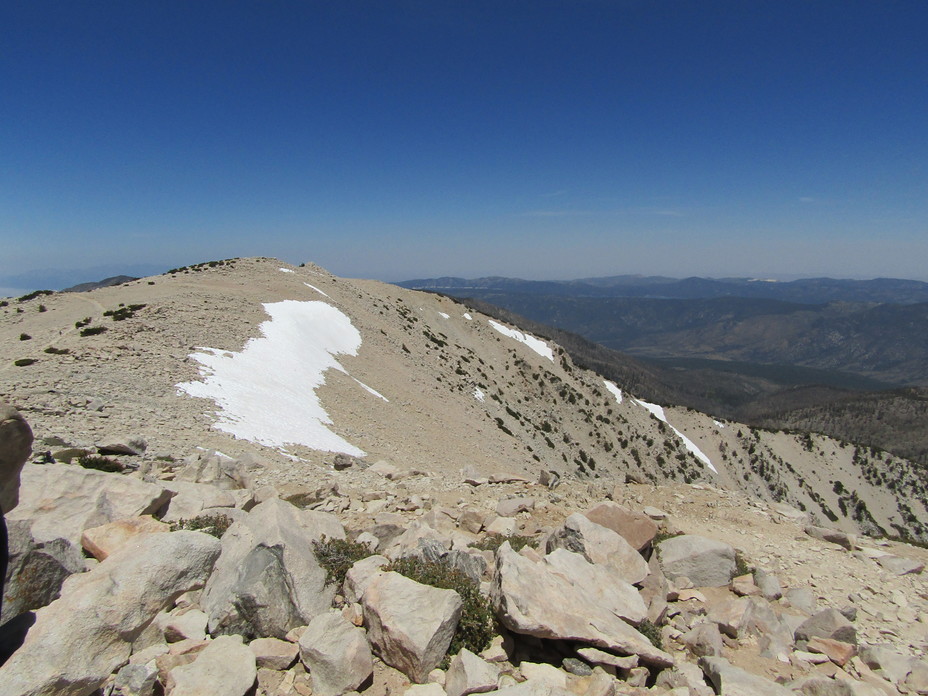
x=616, y=392
x=478, y=394
x=371, y=390
x=313, y=287
x=658, y=412
x=443, y=315
x=536, y=344
x=267, y=392
x=286, y=270
x=468, y=316
x=718, y=424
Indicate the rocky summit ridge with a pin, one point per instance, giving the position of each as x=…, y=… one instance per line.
x=616, y=546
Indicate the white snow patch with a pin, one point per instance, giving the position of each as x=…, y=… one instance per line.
x=443, y=315
x=478, y=394
x=718, y=424
x=286, y=270
x=267, y=392
x=658, y=412
x=313, y=287
x=616, y=392
x=468, y=316
x=536, y=344
x=371, y=390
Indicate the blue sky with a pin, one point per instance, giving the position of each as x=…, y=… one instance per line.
x=406, y=139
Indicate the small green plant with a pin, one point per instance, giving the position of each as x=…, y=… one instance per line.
x=741, y=566
x=82, y=323
x=491, y=542
x=663, y=536
x=93, y=461
x=652, y=633
x=214, y=525
x=25, y=337
x=24, y=362
x=57, y=351
x=475, y=629
x=93, y=330
x=43, y=308
x=337, y=556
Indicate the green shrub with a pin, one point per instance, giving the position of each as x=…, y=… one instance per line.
x=93, y=330
x=23, y=362
x=82, y=323
x=57, y=351
x=475, y=629
x=33, y=295
x=93, y=461
x=25, y=337
x=214, y=525
x=491, y=542
x=652, y=633
x=337, y=556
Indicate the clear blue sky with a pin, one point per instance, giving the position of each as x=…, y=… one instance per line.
x=405, y=139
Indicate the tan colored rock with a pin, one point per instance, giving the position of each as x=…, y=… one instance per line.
x=533, y=600
x=273, y=653
x=636, y=528
x=412, y=642
x=601, y=546
x=706, y=562
x=837, y=651
x=470, y=674
x=101, y=541
x=15, y=448
x=337, y=654
x=225, y=666
x=80, y=639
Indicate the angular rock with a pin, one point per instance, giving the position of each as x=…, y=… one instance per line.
x=769, y=585
x=412, y=642
x=273, y=653
x=216, y=470
x=510, y=507
x=734, y=681
x=828, y=623
x=36, y=570
x=900, y=566
x=706, y=562
x=267, y=579
x=189, y=624
x=887, y=663
x=832, y=536
x=15, y=448
x=337, y=654
x=101, y=541
x=609, y=592
x=62, y=501
x=636, y=528
x=80, y=638
x=600, y=657
x=225, y=666
x=360, y=575
x=836, y=651
x=703, y=640
x=192, y=499
x=601, y=546
x=470, y=674
x=531, y=599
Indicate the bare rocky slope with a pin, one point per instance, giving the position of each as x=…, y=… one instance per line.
x=664, y=552
x=452, y=393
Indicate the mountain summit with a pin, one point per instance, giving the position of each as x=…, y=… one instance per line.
x=288, y=366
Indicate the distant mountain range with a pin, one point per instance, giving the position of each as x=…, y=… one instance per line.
x=804, y=291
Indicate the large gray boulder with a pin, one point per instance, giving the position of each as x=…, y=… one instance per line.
x=267, y=580
x=81, y=638
x=532, y=599
x=410, y=624
x=635, y=527
x=828, y=623
x=225, y=666
x=36, y=570
x=706, y=562
x=15, y=448
x=608, y=591
x=337, y=654
x=217, y=470
x=62, y=500
x=601, y=546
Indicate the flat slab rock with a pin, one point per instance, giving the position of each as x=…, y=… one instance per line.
x=532, y=599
